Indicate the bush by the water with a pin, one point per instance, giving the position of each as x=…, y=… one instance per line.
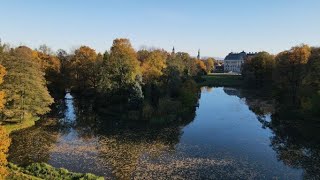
x=45, y=171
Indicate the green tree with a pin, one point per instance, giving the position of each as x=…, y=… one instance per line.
x=122, y=68
x=178, y=62
x=24, y=86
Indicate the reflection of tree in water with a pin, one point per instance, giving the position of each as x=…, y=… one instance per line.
x=124, y=142
x=298, y=146
x=156, y=159
x=124, y=151
x=116, y=137
x=141, y=143
x=146, y=149
x=296, y=143
x=259, y=102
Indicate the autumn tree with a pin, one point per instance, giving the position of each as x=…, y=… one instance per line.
x=310, y=91
x=121, y=69
x=153, y=66
x=201, y=67
x=24, y=86
x=4, y=137
x=64, y=76
x=4, y=147
x=49, y=62
x=258, y=70
x=209, y=64
x=2, y=94
x=2, y=74
x=142, y=55
x=312, y=71
x=289, y=71
x=50, y=65
x=84, y=67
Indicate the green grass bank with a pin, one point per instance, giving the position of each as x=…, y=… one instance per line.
x=221, y=80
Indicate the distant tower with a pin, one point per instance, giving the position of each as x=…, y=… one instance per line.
x=198, y=54
x=173, y=53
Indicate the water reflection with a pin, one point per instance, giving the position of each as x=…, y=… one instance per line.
x=298, y=146
x=296, y=143
x=221, y=139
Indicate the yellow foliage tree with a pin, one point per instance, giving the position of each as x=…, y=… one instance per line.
x=289, y=71
x=201, y=66
x=4, y=147
x=84, y=69
x=210, y=64
x=4, y=137
x=153, y=66
x=2, y=73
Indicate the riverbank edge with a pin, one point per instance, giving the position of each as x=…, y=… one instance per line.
x=26, y=123
x=20, y=173
x=38, y=171
x=218, y=80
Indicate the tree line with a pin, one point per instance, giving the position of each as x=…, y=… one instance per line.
x=292, y=75
x=153, y=82
x=34, y=76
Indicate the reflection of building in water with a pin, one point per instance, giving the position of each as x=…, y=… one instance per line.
x=234, y=61
x=231, y=91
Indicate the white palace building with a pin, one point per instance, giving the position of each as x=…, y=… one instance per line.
x=234, y=61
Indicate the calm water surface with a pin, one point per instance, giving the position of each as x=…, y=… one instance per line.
x=225, y=140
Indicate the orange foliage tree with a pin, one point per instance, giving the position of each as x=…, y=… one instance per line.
x=154, y=65
x=289, y=71
x=4, y=137
x=4, y=147
x=2, y=73
x=84, y=67
x=201, y=66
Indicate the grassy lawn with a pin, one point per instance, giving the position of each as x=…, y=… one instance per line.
x=221, y=80
x=27, y=122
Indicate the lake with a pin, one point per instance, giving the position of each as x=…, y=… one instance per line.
x=229, y=136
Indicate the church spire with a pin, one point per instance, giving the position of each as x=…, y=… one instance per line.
x=173, y=50
x=198, y=54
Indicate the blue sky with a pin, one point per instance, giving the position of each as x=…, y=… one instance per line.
x=216, y=27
